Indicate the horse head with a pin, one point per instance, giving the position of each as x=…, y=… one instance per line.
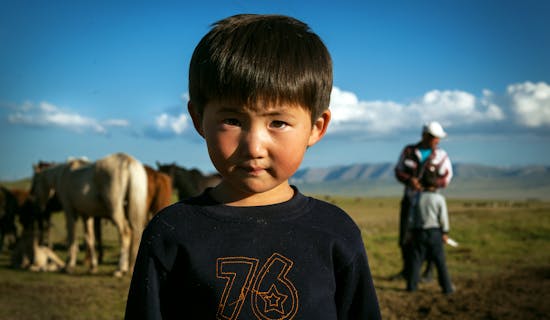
x=42, y=184
x=189, y=182
x=169, y=168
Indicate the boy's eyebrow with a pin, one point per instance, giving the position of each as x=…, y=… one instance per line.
x=230, y=109
x=262, y=112
x=233, y=110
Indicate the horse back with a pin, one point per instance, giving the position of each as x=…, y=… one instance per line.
x=122, y=178
x=77, y=189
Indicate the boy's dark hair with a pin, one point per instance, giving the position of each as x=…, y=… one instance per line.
x=429, y=178
x=252, y=59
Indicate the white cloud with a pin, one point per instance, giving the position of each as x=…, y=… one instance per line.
x=530, y=102
x=168, y=125
x=116, y=123
x=456, y=107
x=524, y=106
x=46, y=114
x=175, y=124
x=348, y=113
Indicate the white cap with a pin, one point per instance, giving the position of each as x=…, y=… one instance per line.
x=435, y=129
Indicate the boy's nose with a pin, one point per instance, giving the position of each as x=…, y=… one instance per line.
x=254, y=142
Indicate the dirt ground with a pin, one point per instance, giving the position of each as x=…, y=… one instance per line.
x=519, y=294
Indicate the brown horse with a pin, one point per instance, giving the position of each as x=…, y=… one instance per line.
x=159, y=190
x=189, y=183
x=113, y=187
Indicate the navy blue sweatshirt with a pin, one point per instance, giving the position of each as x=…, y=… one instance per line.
x=300, y=259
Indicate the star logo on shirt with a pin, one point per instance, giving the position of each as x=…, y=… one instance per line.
x=274, y=300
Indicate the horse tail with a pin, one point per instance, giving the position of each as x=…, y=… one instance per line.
x=136, y=195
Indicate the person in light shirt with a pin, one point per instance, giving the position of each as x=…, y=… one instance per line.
x=411, y=165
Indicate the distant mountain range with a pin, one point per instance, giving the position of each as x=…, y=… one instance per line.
x=472, y=181
x=469, y=181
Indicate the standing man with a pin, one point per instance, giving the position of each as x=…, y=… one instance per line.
x=415, y=159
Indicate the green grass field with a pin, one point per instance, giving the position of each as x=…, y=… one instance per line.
x=501, y=268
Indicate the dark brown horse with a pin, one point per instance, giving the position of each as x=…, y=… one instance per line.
x=8, y=210
x=32, y=218
x=191, y=182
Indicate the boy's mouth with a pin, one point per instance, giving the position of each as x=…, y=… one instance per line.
x=252, y=170
x=255, y=171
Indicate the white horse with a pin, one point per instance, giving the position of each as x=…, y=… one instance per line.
x=114, y=187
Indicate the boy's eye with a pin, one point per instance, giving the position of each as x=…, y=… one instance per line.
x=277, y=124
x=231, y=122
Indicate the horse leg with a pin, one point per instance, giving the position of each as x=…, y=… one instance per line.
x=90, y=242
x=125, y=235
x=43, y=230
x=46, y=229
x=71, y=241
x=98, y=238
x=55, y=263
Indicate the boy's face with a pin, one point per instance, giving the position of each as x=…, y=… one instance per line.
x=257, y=151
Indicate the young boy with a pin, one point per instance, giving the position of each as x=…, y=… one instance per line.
x=429, y=228
x=254, y=247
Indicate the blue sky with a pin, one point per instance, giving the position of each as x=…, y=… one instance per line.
x=89, y=78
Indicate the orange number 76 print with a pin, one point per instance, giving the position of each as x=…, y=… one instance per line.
x=272, y=294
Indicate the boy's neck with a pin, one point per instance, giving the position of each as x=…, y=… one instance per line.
x=228, y=195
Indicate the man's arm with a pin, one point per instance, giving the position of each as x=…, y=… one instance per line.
x=445, y=170
x=404, y=168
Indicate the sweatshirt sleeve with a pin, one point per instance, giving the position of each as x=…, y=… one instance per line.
x=143, y=296
x=355, y=294
x=156, y=253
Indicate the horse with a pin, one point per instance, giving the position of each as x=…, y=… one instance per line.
x=8, y=210
x=29, y=254
x=159, y=190
x=190, y=183
x=114, y=187
x=43, y=217
x=29, y=214
x=159, y=195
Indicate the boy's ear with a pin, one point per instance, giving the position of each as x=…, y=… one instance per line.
x=319, y=128
x=196, y=118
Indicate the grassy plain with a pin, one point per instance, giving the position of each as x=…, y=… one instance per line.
x=501, y=268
